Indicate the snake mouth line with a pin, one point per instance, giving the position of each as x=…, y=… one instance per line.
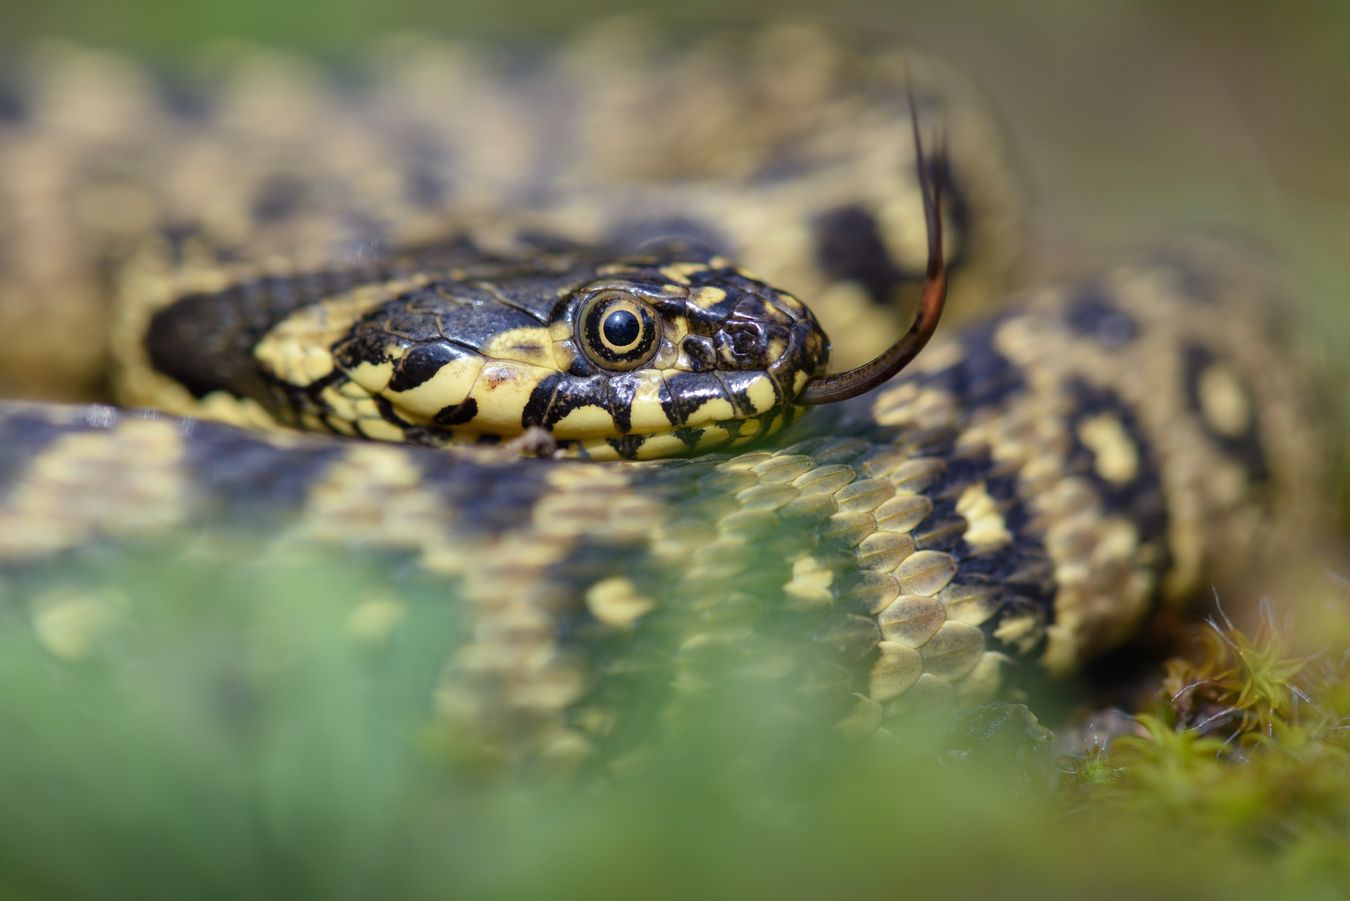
x=641, y=415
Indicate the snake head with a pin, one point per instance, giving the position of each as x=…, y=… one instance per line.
x=644, y=356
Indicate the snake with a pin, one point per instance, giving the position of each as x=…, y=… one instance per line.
x=602, y=340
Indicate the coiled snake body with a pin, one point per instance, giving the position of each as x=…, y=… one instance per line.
x=461, y=246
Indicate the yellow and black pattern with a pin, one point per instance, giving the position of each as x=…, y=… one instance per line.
x=644, y=356
x=1026, y=493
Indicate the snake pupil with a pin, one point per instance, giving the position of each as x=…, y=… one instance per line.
x=622, y=328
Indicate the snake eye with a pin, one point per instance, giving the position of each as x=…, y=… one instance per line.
x=617, y=331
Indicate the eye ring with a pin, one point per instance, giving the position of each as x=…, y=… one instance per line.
x=617, y=331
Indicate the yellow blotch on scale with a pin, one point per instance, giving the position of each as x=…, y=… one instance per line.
x=502, y=391
x=647, y=414
x=712, y=436
x=373, y=377
x=1224, y=402
x=449, y=386
x=715, y=409
x=666, y=445
x=1117, y=455
x=589, y=421
x=810, y=583
x=762, y=394
x=706, y=298
x=616, y=602
x=295, y=363
x=381, y=430
x=1021, y=632
x=245, y=412
x=749, y=429
x=339, y=405
x=680, y=272
x=985, y=526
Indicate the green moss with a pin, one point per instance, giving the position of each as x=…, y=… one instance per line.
x=1248, y=745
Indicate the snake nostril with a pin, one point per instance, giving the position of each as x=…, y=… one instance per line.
x=742, y=341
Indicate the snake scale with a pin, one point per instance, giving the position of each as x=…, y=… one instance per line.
x=451, y=240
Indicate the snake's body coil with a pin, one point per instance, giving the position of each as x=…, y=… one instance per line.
x=1030, y=490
